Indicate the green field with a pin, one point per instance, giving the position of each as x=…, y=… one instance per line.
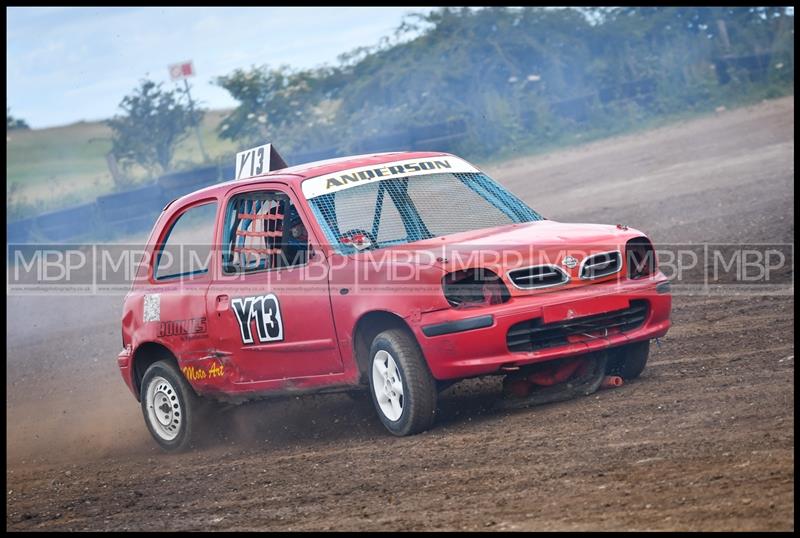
x=63, y=166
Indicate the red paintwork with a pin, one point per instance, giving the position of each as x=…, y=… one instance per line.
x=319, y=321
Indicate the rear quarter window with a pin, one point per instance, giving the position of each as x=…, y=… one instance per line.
x=186, y=250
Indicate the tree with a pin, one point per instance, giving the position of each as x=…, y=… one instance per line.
x=271, y=99
x=154, y=123
x=517, y=76
x=14, y=123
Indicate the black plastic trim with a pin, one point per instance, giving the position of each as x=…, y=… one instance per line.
x=458, y=326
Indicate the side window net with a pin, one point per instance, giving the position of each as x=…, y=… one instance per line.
x=260, y=233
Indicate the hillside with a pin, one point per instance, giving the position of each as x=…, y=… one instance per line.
x=61, y=166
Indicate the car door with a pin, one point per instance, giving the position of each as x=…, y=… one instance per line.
x=269, y=304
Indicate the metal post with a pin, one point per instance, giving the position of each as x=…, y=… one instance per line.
x=116, y=175
x=196, y=130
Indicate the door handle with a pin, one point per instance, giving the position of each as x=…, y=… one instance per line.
x=222, y=303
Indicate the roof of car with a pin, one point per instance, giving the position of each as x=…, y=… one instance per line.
x=294, y=175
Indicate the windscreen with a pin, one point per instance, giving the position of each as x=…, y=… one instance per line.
x=401, y=210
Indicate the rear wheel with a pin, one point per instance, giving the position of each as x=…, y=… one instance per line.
x=628, y=361
x=171, y=408
x=402, y=388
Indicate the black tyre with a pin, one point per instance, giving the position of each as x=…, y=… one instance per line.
x=628, y=361
x=402, y=388
x=170, y=406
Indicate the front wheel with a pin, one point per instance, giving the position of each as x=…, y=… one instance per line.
x=402, y=388
x=169, y=405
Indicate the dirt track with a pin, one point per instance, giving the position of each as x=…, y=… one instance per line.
x=704, y=440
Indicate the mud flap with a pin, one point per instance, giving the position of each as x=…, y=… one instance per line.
x=583, y=385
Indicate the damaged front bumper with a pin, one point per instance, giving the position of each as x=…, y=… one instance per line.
x=460, y=343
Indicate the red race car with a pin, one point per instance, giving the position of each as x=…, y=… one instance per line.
x=394, y=273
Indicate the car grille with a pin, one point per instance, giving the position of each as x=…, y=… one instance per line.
x=533, y=334
x=538, y=276
x=600, y=265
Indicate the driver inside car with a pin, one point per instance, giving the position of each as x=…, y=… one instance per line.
x=295, y=243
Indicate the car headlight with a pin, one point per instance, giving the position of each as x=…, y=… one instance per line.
x=474, y=287
x=640, y=257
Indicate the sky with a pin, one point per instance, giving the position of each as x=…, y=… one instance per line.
x=70, y=64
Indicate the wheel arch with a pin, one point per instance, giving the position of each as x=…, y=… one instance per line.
x=368, y=326
x=146, y=354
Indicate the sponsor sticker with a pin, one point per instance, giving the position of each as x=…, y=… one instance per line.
x=182, y=327
x=354, y=177
x=152, y=307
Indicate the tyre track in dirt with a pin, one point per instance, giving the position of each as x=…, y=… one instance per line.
x=704, y=440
